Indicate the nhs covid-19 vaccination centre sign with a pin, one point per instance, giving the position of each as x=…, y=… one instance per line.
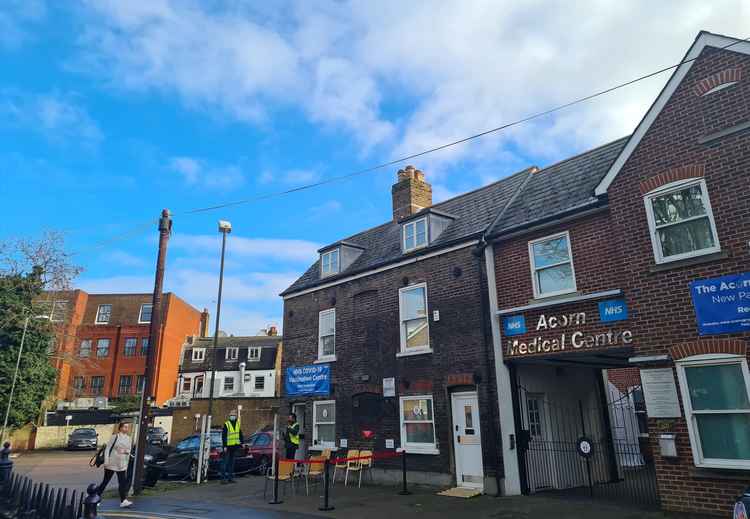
x=722, y=305
x=314, y=379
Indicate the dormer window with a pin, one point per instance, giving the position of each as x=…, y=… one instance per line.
x=329, y=263
x=415, y=234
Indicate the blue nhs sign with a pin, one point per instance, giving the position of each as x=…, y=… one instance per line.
x=514, y=325
x=613, y=310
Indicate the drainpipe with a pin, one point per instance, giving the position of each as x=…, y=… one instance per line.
x=503, y=384
x=488, y=365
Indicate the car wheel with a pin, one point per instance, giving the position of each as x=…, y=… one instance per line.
x=193, y=470
x=264, y=463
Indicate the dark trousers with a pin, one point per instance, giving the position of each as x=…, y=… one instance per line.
x=291, y=450
x=227, y=471
x=122, y=483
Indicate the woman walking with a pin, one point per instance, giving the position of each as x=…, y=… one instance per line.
x=116, y=458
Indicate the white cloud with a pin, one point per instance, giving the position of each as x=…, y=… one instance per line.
x=270, y=250
x=326, y=209
x=18, y=20
x=410, y=76
x=292, y=177
x=124, y=259
x=198, y=172
x=58, y=116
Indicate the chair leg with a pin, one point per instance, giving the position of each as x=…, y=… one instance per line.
x=346, y=476
x=307, y=484
x=359, y=485
x=333, y=481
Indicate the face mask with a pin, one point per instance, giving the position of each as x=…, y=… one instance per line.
x=232, y=417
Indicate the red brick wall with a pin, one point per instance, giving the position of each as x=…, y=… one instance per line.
x=660, y=303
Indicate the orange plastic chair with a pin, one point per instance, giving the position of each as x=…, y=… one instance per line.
x=286, y=474
x=343, y=465
x=352, y=465
x=365, y=465
x=314, y=470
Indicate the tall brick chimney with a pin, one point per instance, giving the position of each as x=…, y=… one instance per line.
x=203, y=329
x=410, y=194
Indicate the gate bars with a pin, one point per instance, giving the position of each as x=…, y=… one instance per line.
x=548, y=435
x=21, y=497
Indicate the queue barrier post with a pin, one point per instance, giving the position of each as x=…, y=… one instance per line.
x=276, y=500
x=326, y=506
x=404, y=490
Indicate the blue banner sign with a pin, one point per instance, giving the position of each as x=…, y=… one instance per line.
x=722, y=305
x=613, y=310
x=308, y=380
x=514, y=325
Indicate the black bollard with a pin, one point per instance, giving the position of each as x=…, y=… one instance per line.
x=91, y=504
x=326, y=486
x=6, y=464
x=276, y=500
x=404, y=490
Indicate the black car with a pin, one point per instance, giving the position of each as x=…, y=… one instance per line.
x=83, y=438
x=182, y=461
x=156, y=436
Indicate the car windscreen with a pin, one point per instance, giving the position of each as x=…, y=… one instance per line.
x=215, y=439
x=155, y=430
x=83, y=432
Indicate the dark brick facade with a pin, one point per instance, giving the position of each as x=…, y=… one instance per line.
x=367, y=340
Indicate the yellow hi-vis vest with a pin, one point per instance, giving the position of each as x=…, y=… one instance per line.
x=233, y=433
x=294, y=438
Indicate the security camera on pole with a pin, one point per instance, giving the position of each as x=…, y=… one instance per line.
x=224, y=228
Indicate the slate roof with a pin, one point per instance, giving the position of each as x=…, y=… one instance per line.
x=559, y=188
x=514, y=202
x=473, y=212
x=268, y=352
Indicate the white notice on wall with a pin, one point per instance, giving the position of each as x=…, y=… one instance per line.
x=344, y=443
x=389, y=387
x=660, y=393
x=389, y=444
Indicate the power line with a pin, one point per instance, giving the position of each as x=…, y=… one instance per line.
x=422, y=153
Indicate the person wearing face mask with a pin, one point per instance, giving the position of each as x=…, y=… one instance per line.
x=231, y=439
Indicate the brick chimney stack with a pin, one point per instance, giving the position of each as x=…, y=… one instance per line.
x=203, y=329
x=272, y=331
x=410, y=194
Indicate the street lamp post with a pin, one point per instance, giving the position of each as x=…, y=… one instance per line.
x=225, y=228
x=15, y=377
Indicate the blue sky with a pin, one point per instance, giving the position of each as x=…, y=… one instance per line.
x=111, y=111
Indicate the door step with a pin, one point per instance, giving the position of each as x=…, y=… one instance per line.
x=464, y=492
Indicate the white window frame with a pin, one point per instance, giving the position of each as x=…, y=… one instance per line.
x=187, y=381
x=262, y=380
x=64, y=304
x=251, y=357
x=232, y=354
x=535, y=282
x=665, y=190
x=331, y=270
x=404, y=351
x=413, y=224
x=140, y=313
x=322, y=445
x=631, y=390
x=109, y=347
x=695, y=444
x=90, y=348
x=98, y=312
x=417, y=448
x=201, y=354
x=224, y=390
x=321, y=315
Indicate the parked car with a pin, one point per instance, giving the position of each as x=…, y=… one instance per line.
x=83, y=438
x=156, y=436
x=260, y=451
x=182, y=460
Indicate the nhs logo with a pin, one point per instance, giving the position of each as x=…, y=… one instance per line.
x=613, y=310
x=514, y=325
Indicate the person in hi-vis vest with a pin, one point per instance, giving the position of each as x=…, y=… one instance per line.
x=292, y=436
x=231, y=439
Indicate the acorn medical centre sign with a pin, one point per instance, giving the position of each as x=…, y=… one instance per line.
x=722, y=305
x=555, y=333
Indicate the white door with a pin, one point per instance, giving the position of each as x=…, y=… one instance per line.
x=539, y=459
x=467, y=440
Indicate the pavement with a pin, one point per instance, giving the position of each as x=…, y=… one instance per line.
x=175, y=500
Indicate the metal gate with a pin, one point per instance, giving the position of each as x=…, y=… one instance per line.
x=574, y=448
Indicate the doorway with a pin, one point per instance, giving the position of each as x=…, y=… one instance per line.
x=467, y=440
x=299, y=410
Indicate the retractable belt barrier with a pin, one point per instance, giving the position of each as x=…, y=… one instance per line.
x=325, y=506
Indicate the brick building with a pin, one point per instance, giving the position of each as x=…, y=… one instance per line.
x=618, y=286
x=395, y=312
x=103, y=341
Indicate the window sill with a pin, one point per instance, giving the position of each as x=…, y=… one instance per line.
x=325, y=360
x=321, y=448
x=409, y=353
x=429, y=452
x=719, y=473
x=688, y=262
